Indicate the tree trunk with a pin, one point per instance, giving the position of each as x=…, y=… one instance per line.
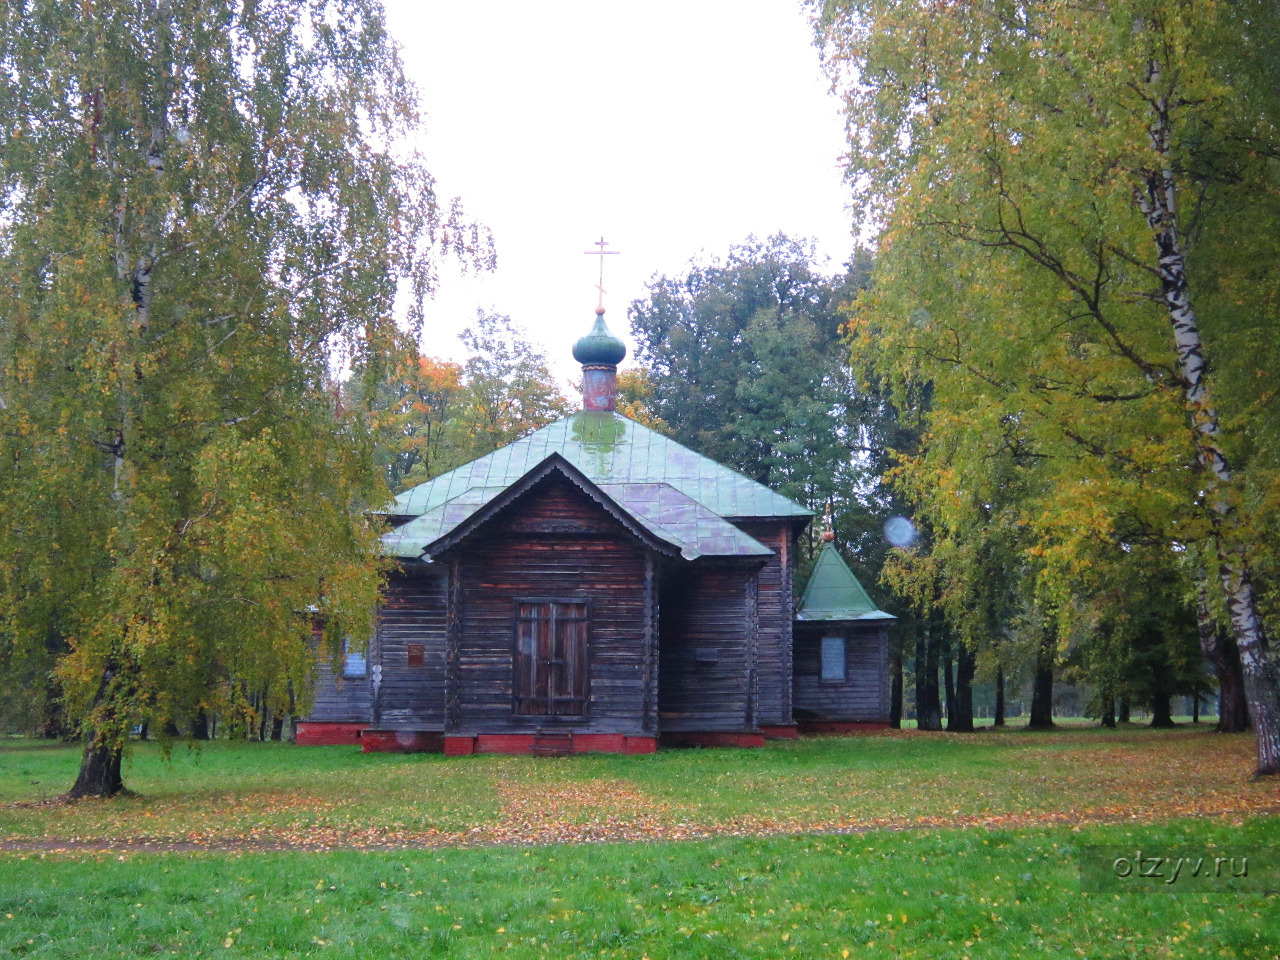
x=1124, y=709
x=99, y=772
x=1109, y=710
x=1157, y=198
x=1161, y=715
x=1042, y=700
x=948, y=680
x=277, y=724
x=960, y=717
x=999, y=712
x=1233, y=710
x=1162, y=691
x=53, y=722
x=1042, y=687
x=1221, y=651
x=200, y=728
x=895, y=689
x=928, y=706
x=1195, y=708
x=921, y=658
x=293, y=713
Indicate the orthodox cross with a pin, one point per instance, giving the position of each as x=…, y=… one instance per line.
x=601, y=253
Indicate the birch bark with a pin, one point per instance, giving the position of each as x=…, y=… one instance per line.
x=1157, y=198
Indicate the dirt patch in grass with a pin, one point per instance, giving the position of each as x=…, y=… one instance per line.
x=537, y=811
x=561, y=824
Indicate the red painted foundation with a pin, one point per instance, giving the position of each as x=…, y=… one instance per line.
x=548, y=744
x=312, y=734
x=712, y=739
x=459, y=746
x=781, y=731
x=402, y=741
x=840, y=726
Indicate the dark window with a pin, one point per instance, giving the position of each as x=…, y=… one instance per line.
x=353, y=664
x=551, y=658
x=415, y=654
x=833, y=658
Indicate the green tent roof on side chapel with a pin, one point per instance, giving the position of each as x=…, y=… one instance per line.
x=834, y=593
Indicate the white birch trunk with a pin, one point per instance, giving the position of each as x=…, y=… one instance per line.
x=1157, y=198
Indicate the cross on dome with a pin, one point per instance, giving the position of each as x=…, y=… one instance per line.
x=601, y=252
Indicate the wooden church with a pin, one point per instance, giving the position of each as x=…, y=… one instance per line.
x=596, y=586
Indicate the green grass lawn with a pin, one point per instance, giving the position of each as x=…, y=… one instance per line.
x=288, y=794
x=966, y=846
x=945, y=893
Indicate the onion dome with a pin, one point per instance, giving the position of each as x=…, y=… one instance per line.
x=599, y=347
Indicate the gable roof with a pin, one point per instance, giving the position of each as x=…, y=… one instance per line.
x=680, y=497
x=655, y=513
x=834, y=593
x=652, y=484
x=607, y=448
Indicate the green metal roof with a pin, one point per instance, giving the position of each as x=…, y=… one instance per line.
x=834, y=593
x=680, y=496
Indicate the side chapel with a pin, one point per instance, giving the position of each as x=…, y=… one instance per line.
x=596, y=586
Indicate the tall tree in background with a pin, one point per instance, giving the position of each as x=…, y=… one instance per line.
x=428, y=416
x=412, y=414
x=201, y=202
x=508, y=390
x=745, y=366
x=744, y=362
x=1063, y=189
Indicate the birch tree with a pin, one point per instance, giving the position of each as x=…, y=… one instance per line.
x=203, y=204
x=1061, y=187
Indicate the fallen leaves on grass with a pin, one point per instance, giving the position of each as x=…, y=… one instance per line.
x=1053, y=780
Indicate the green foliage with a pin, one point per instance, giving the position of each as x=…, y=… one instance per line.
x=202, y=204
x=428, y=416
x=744, y=360
x=738, y=353
x=509, y=390
x=413, y=416
x=1005, y=150
x=636, y=396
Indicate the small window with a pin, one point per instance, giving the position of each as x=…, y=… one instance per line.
x=551, y=673
x=353, y=664
x=833, y=658
x=415, y=654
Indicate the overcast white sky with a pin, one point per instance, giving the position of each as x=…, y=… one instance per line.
x=670, y=128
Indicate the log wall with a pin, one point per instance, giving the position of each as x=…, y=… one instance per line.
x=705, y=631
x=864, y=693
x=554, y=543
x=340, y=699
x=411, y=649
x=776, y=615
